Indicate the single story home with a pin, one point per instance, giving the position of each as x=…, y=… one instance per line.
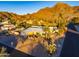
x=32, y=30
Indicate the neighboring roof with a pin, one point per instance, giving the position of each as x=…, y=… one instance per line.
x=32, y=29
x=71, y=43
x=77, y=27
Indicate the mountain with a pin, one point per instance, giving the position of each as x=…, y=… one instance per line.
x=76, y=8
x=54, y=12
x=60, y=12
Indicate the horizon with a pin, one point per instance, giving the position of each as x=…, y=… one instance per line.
x=25, y=7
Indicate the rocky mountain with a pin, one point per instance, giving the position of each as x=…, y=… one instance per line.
x=59, y=12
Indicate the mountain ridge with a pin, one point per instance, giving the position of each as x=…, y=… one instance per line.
x=46, y=15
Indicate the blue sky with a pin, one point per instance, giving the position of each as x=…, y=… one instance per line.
x=24, y=7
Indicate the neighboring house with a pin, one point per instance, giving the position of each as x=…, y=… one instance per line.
x=4, y=28
x=7, y=27
x=37, y=29
x=32, y=30
x=5, y=22
x=14, y=32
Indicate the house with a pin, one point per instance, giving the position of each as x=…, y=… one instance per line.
x=37, y=29
x=33, y=30
x=8, y=27
x=14, y=32
x=5, y=22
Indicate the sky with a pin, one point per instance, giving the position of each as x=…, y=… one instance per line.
x=24, y=7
